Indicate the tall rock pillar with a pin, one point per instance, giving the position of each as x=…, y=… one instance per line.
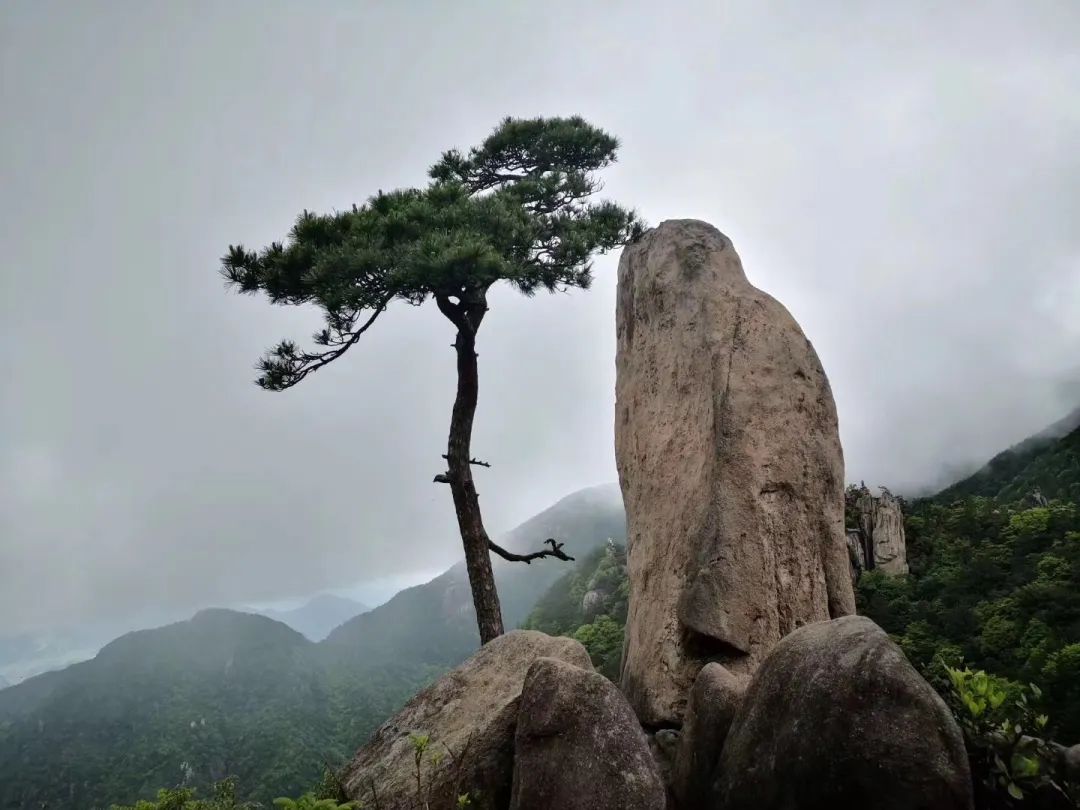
x=730, y=465
x=881, y=527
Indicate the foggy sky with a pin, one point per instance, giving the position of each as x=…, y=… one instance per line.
x=905, y=178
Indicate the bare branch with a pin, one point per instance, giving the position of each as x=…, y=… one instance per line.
x=475, y=461
x=555, y=551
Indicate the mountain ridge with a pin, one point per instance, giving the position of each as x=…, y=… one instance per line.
x=1047, y=462
x=318, y=615
x=230, y=692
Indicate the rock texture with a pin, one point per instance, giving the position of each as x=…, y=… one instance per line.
x=592, y=604
x=579, y=746
x=470, y=715
x=714, y=701
x=890, y=544
x=837, y=717
x=1070, y=761
x=730, y=464
x=856, y=554
x=880, y=533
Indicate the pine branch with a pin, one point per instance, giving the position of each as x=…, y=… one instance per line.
x=284, y=367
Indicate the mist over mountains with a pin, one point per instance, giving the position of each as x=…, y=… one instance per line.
x=229, y=692
x=318, y=616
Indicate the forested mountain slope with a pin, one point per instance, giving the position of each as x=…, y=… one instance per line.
x=230, y=693
x=1048, y=462
x=435, y=622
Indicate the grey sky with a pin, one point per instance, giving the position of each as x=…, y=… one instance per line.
x=904, y=177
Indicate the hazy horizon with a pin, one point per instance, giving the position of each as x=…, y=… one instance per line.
x=904, y=179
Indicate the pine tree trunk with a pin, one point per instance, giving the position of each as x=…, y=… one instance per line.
x=466, y=502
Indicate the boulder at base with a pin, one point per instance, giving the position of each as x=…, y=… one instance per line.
x=579, y=746
x=714, y=700
x=730, y=464
x=837, y=717
x=469, y=716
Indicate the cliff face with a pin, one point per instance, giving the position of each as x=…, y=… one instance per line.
x=877, y=542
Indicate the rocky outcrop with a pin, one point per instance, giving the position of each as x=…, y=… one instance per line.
x=879, y=536
x=579, y=746
x=837, y=717
x=1070, y=761
x=469, y=717
x=730, y=465
x=592, y=604
x=714, y=701
x=856, y=554
x=890, y=545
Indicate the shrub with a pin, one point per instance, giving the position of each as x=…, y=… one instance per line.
x=1011, y=762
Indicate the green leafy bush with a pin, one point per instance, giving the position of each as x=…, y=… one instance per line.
x=603, y=638
x=223, y=798
x=1011, y=760
x=309, y=802
x=560, y=611
x=993, y=584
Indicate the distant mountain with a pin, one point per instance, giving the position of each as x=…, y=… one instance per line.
x=316, y=618
x=1048, y=462
x=435, y=623
x=231, y=693
x=25, y=655
x=225, y=693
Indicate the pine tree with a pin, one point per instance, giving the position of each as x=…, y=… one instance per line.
x=518, y=208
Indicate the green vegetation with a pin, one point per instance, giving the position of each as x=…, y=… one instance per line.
x=222, y=797
x=234, y=694
x=309, y=801
x=994, y=588
x=1011, y=761
x=1043, y=463
x=562, y=610
x=225, y=694
x=993, y=585
x=425, y=752
x=516, y=209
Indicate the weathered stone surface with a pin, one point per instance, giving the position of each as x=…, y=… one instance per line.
x=470, y=715
x=714, y=700
x=730, y=465
x=579, y=746
x=880, y=533
x=1070, y=761
x=837, y=717
x=856, y=554
x=890, y=544
x=664, y=747
x=592, y=604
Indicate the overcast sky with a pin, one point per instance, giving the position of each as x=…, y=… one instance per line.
x=905, y=178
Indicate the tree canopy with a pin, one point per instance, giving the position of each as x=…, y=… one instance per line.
x=516, y=208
